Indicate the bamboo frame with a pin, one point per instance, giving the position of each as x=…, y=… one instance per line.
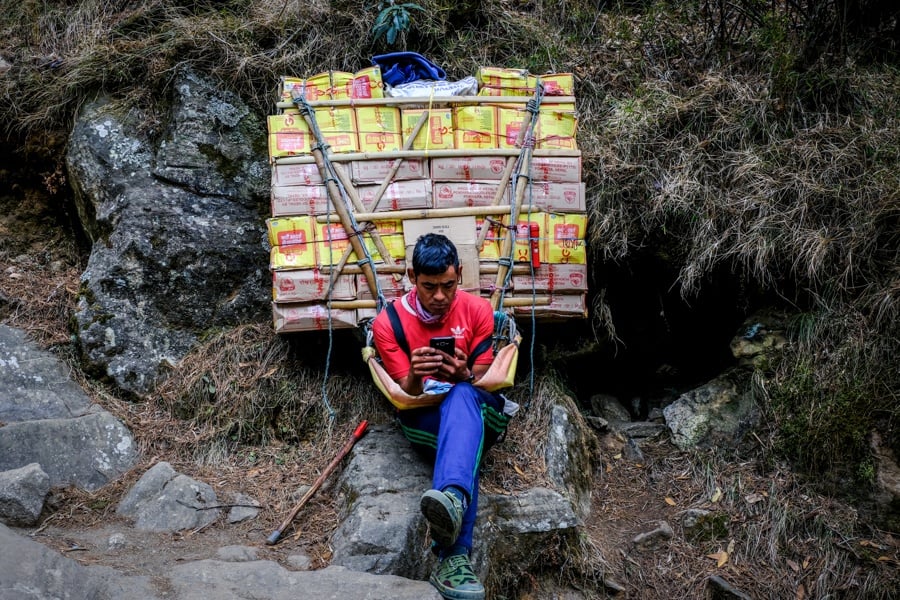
x=423, y=213
x=508, y=302
x=431, y=101
x=446, y=153
x=407, y=145
x=338, y=201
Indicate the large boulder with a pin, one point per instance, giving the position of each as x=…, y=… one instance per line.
x=50, y=421
x=177, y=228
x=716, y=414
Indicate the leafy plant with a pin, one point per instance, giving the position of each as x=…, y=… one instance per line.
x=393, y=20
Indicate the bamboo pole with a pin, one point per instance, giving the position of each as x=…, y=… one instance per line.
x=302, y=159
x=509, y=240
x=407, y=145
x=423, y=213
x=336, y=198
x=507, y=302
x=358, y=205
x=354, y=102
x=486, y=268
x=524, y=127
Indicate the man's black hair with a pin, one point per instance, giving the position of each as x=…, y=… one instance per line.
x=434, y=253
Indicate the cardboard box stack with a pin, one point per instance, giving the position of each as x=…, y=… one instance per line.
x=454, y=173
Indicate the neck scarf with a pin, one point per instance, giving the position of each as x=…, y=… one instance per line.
x=424, y=316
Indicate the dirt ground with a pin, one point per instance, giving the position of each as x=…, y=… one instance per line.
x=763, y=531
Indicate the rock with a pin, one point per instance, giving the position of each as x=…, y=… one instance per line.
x=236, y=554
x=87, y=452
x=178, y=243
x=609, y=408
x=31, y=570
x=50, y=421
x=22, y=493
x=164, y=500
x=384, y=532
x=299, y=562
x=760, y=339
x=632, y=451
x=246, y=510
x=651, y=539
x=718, y=413
x=201, y=580
x=34, y=384
x=568, y=454
x=117, y=541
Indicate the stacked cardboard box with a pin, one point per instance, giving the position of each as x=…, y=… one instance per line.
x=317, y=282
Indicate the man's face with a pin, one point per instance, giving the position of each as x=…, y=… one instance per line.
x=436, y=292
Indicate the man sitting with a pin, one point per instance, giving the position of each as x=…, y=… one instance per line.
x=455, y=431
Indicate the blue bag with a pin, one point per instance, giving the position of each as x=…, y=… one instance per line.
x=404, y=67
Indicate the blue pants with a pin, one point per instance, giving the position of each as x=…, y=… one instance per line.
x=456, y=435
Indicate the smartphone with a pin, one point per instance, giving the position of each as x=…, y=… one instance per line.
x=444, y=343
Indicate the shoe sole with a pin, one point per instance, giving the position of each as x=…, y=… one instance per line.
x=453, y=594
x=438, y=508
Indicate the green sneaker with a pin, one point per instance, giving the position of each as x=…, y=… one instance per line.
x=444, y=513
x=455, y=579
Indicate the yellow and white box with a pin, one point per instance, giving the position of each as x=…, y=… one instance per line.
x=499, y=81
x=390, y=287
x=375, y=170
x=510, y=120
x=290, y=231
x=559, y=278
x=556, y=129
x=555, y=84
x=298, y=256
x=560, y=169
x=288, y=135
x=338, y=127
x=293, y=200
x=436, y=133
x=400, y=195
x=309, y=285
x=565, y=238
x=467, y=168
x=310, y=317
x=296, y=174
x=475, y=127
x=489, y=251
x=562, y=306
x=461, y=194
x=378, y=128
x=522, y=247
x=332, y=242
x=551, y=196
x=367, y=83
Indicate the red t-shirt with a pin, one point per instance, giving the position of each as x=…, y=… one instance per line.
x=470, y=320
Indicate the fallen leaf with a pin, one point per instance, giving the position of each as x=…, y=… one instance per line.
x=753, y=498
x=608, y=468
x=518, y=470
x=801, y=592
x=721, y=557
x=717, y=495
x=730, y=547
x=806, y=562
x=794, y=566
x=670, y=501
x=618, y=456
